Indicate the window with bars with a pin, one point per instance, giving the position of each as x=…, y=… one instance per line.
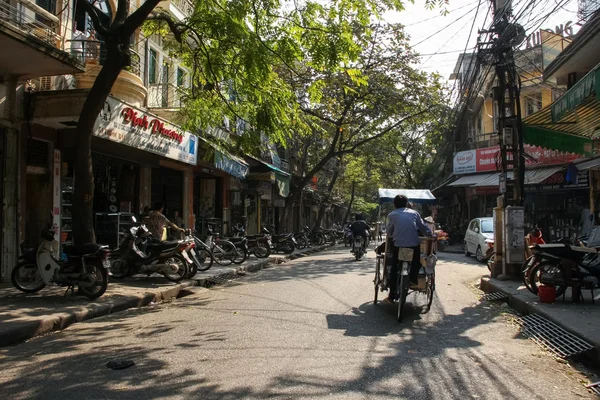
x=153, y=62
x=533, y=103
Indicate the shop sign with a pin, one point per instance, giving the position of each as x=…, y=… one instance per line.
x=574, y=96
x=56, y=185
x=230, y=165
x=558, y=181
x=488, y=159
x=263, y=187
x=122, y=123
x=279, y=203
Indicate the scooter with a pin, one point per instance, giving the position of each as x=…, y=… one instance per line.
x=285, y=243
x=85, y=267
x=141, y=254
x=358, y=247
x=259, y=245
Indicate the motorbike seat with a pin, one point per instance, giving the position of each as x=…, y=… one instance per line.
x=78, y=251
x=162, y=246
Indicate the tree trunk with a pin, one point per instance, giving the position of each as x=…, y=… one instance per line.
x=324, y=203
x=83, y=198
x=349, y=205
x=294, y=197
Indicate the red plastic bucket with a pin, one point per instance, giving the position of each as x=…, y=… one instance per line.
x=547, y=294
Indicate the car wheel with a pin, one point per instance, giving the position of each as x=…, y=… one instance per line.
x=479, y=254
x=467, y=250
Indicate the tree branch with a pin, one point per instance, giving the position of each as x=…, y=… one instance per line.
x=94, y=16
x=123, y=7
x=173, y=26
x=137, y=18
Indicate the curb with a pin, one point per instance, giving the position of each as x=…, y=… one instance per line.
x=29, y=329
x=522, y=306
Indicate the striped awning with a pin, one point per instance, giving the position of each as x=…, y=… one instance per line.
x=571, y=122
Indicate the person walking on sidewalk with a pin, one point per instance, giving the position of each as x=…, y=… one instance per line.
x=403, y=227
x=157, y=222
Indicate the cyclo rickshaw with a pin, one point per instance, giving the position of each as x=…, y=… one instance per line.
x=426, y=287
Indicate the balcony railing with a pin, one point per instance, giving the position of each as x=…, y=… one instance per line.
x=89, y=51
x=164, y=95
x=186, y=6
x=30, y=18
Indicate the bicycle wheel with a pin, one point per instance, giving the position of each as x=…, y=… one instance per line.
x=548, y=272
x=430, y=282
x=240, y=254
x=401, y=294
x=377, y=280
x=204, y=259
x=224, y=252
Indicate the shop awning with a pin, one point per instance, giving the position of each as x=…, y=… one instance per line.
x=471, y=180
x=233, y=165
x=420, y=196
x=532, y=176
x=593, y=163
x=266, y=167
x=571, y=122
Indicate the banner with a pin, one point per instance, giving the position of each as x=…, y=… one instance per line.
x=128, y=125
x=488, y=159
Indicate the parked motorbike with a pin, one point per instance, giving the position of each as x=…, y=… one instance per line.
x=560, y=264
x=259, y=245
x=139, y=253
x=347, y=236
x=285, y=243
x=85, y=267
x=358, y=247
x=302, y=240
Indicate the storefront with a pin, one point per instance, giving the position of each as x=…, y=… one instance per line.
x=138, y=159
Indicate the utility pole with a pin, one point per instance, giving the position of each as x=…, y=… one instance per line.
x=509, y=214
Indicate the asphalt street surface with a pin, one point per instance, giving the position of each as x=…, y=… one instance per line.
x=306, y=329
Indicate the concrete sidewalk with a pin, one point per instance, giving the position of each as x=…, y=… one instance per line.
x=582, y=319
x=23, y=316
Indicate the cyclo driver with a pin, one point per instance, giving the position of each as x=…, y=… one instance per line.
x=403, y=227
x=360, y=228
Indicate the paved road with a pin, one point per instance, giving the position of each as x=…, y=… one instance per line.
x=305, y=329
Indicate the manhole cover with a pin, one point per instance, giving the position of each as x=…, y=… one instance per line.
x=221, y=279
x=495, y=296
x=552, y=337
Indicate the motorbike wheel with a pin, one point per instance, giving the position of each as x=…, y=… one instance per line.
x=287, y=247
x=98, y=287
x=300, y=243
x=224, y=253
x=203, y=260
x=182, y=268
x=548, y=268
x=33, y=282
x=119, y=269
x=262, y=250
x=241, y=255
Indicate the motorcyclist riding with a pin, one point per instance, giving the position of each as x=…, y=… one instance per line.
x=403, y=227
x=360, y=228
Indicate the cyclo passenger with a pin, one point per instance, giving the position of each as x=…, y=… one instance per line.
x=403, y=227
x=360, y=228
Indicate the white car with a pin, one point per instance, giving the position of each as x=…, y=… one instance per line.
x=478, y=231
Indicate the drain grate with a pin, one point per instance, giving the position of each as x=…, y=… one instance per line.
x=494, y=296
x=594, y=387
x=221, y=279
x=552, y=337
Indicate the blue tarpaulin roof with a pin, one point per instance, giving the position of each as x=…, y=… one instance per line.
x=420, y=196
